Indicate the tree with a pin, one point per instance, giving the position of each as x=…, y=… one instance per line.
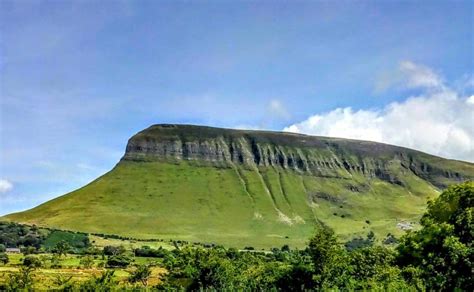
x=442, y=248
x=62, y=248
x=114, y=250
x=118, y=261
x=87, y=261
x=55, y=261
x=2, y=248
x=21, y=280
x=32, y=262
x=28, y=250
x=4, y=258
x=140, y=274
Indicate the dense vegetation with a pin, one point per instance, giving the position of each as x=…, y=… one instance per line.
x=36, y=239
x=438, y=256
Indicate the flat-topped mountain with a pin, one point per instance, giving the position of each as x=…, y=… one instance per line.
x=260, y=188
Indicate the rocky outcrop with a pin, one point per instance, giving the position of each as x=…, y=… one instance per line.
x=317, y=156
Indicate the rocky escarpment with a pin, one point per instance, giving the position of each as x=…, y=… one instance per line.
x=316, y=156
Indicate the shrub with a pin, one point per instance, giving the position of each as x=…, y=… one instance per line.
x=113, y=250
x=140, y=274
x=4, y=258
x=21, y=280
x=87, y=261
x=32, y=261
x=118, y=261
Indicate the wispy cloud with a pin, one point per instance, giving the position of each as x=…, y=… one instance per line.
x=5, y=186
x=408, y=75
x=277, y=109
x=438, y=121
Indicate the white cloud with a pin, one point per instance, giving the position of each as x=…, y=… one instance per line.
x=5, y=186
x=470, y=99
x=439, y=121
x=409, y=75
x=419, y=76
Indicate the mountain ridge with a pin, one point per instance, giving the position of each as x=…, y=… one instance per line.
x=246, y=187
x=254, y=147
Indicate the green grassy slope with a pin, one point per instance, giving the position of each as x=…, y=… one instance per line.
x=240, y=204
x=231, y=206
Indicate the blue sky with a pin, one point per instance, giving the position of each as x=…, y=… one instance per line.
x=78, y=78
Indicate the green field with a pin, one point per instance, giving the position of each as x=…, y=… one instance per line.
x=46, y=277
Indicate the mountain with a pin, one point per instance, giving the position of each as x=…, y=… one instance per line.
x=251, y=188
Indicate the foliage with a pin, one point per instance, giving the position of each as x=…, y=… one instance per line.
x=4, y=258
x=32, y=261
x=146, y=251
x=21, y=280
x=61, y=248
x=442, y=248
x=16, y=235
x=55, y=261
x=360, y=242
x=118, y=261
x=28, y=250
x=87, y=261
x=113, y=250
x=436, y=257
x=33, y=238
x=140, y=274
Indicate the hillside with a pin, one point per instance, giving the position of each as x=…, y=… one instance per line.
x=251, y=188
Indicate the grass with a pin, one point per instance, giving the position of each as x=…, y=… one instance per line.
x=75, y=240
x=131, y=244
x=44, y=277
x=265, y=207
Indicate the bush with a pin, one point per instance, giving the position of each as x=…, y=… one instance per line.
x=28, y=250
x=118, y=261
x=21, y=280
x=32, y=261
x=4, y=258
x=113, y=250
x=146, y=251
x=140, y=274
x=87, y=261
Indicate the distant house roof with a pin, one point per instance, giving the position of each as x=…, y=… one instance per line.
x=13, y=249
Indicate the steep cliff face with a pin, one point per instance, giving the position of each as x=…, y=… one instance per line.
x=310, y=155
x=257, y=188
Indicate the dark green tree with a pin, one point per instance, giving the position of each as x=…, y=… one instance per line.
x=118, y=261
x=442, y=249
x=62, y=248
x=4, y=258
x=329, y=259
x=32, y=261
